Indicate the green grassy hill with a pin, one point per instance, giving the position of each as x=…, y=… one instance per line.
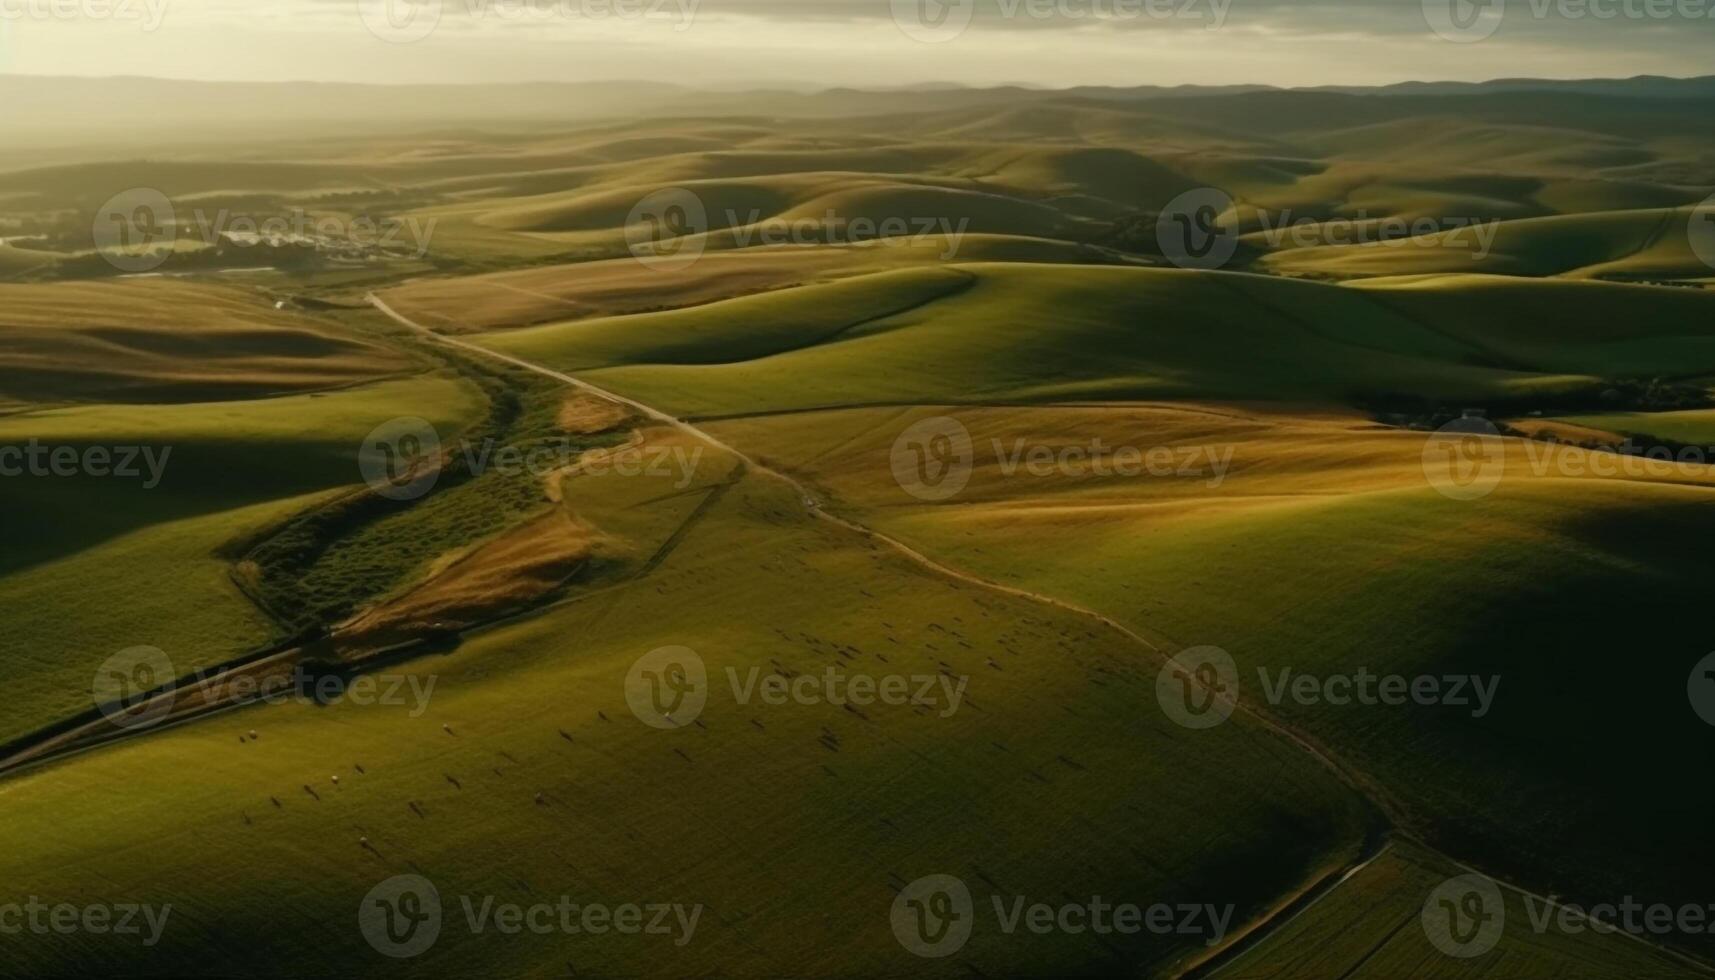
x=1043, y=333
x=1393, y=558
x=528, y=778
x=1645, y=244
x=149, y=565
x=1324, y=549
x=1297, y=525
x=159, y=340
x=1370, y=928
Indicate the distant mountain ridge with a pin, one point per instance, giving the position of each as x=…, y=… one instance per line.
x=57, y=112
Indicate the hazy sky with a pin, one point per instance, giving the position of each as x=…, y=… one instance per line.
x=860, y=42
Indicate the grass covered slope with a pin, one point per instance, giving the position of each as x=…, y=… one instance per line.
x=1694, y=427
x=150, y=565
x=1345, y=506
x=1371, y=929
x=757, y=327
x=528, y=778
x=15, y=261
x=1073, y=166
x=1611, y=329
x=1049, y=333
x=1291, y=523
x=620, y=287
x=1319, y=547
x=1640, y=244
x=155, y=340
x=182, y=452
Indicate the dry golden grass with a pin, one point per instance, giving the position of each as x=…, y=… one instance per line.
x=616, y=286
x=164, y=340
x=584, y=414
x=507, y=574
x=1565, y=431
x=1214, y=462
x=623, y=286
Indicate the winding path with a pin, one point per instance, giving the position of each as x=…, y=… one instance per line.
x=1352, y=779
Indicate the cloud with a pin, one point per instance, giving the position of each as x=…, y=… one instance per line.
x=1578, y=22
x=862, y=42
